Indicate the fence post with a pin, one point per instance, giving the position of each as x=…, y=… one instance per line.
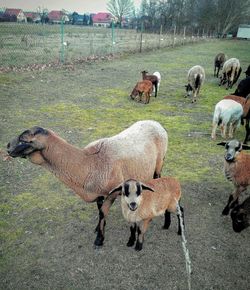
x=174, y=35
x=141, y=37
x=160, y=36
x=184, y=34
x=113, y=33
x=62, y=42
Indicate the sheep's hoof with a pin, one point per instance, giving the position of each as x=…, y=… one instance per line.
x=138, y=246
x=99, y=241
x=130, y=243
x=225, y=211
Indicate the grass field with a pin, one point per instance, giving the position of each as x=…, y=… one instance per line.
x=47, y=232
x=26, y=44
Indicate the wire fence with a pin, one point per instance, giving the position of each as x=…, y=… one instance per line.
x=23, y=44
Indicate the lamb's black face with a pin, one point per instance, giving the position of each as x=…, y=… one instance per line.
x=25, y=143
x=239, y=219
x=232, y=147
x=188, y=88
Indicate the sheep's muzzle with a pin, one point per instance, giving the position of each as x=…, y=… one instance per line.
x=15, y=148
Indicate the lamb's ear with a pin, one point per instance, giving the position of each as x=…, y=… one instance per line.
x=245, y=147
x=145, y=187
x=223, y=143
x=118, y=188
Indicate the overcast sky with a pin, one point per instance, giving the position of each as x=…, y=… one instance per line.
x=79, y=6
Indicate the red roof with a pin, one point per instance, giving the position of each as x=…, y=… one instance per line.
x=12, y=11
x=102, y=17
x=55, y=15
x=31, y=15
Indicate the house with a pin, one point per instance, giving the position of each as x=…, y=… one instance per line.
x=243, y=31
x=55, y=17
x=15, y=15
x=33, y=17
x=102, y=19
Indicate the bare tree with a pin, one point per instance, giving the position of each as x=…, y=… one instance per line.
x=120, y=8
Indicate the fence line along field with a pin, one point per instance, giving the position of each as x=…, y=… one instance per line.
x=47, y=231
x=23, y=44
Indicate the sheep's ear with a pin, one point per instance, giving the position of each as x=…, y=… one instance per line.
x=118, y=188
x=145, y=187
x=245, y=147
x=223, y=143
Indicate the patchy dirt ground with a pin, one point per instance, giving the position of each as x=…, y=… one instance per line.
x=47, y=232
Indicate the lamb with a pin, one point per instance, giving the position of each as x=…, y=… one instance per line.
x=196, y=77
x=236, y=169
x=143, y=87
x=231, y=71
x=243, y=88
x=219, y=60
x=152, y=78
x=140, y=205
x=240, y=216
x=226, y=113
x=93, y=171
x=246, y=112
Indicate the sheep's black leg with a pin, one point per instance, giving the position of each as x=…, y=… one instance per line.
x=157, y=175
x=227, y=207
x=132, y=237
x=138, y=246
x=99, y=204
x=247, y=131
x=180, y=219
x=167, y=220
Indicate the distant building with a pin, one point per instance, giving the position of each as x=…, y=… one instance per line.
x=14, y=15
x=102, y=19
x=243, y=31
x=56, y=17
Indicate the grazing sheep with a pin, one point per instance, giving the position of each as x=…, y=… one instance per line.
x=143, y=87
x=240, y=216
x=246, y=112
x=140, y=205
x=243, y=88
x=196, y=77
x=152, y=78
x=159, y=80
x=230, y=73
x=226, y=113
x=218, y=63
x=93, y=171
x=247, y=72
x=236, y=169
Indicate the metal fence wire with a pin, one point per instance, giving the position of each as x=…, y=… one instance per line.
x=23, y=44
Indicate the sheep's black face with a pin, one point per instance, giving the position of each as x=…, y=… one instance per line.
x=239, y=219
x=25, y=144
x=132, y=194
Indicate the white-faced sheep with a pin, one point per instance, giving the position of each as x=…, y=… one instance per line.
x=236, y=169
x=142, y=202
x=230, y=73
x=227, y=113
x=219, y=60
x=145, y=88
x=240, y=216
x=196, y=77
x=93, y=171
x=245, y=102
x=152, y=78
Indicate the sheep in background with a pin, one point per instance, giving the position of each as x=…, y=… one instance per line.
x=236, y=169
x=245, y=103
x=140, y=205
x=230, y=73
x=196, y=77
x=93, y=171
x=226, y=113
x=240, y=216
x=142, y=88
x=152, y=78
x=243, y=88
x=159, y=80
x=219, y=60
